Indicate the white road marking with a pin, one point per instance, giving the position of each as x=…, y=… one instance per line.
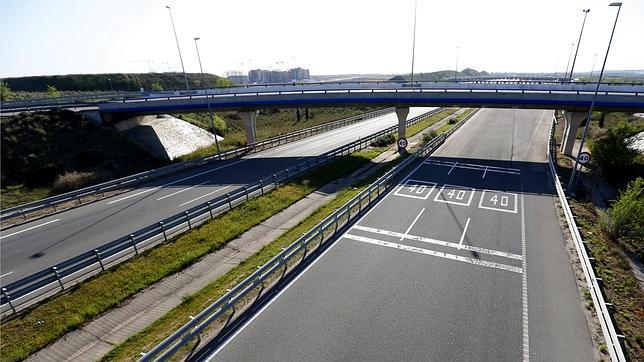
x=412, y=224
x=524, y=286
x=5, y=274
x=202, y=196
x=485, y=173
x=451, y=169
x=176, y=181
x=401, y=187
x=512, y=211
x=182, y=190
x=27, y=229
x=460, y=243
x=297, y=277
x=535, y=131
x=439, y=254
x=440, y=242
x=455, y=188
x=473, y=166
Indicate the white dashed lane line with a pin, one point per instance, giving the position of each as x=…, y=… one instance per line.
x=27, y=229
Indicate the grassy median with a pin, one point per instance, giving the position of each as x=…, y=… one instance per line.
x=42, y=325
x=143, y=341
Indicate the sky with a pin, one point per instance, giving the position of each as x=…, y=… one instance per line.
x=41, y=37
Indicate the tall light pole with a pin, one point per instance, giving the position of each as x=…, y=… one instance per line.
x=572, y=46
x=456, y=67
x=179, y=49
x=205, y=89
x=592, y=69
x=110, y=81
x=578, y=42
x=413, y=46
x=572, y=182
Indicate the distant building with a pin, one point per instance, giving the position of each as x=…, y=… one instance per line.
x=237, y=77
x=277, y=76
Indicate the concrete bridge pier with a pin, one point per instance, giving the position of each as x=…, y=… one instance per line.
x=249, y=118
x=402, y=113
x=573, y=121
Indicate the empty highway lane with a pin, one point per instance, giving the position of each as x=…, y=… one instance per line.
x=463, y=261
x=43, y=243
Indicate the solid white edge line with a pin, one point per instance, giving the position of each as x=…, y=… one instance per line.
x=440, y=242
x=27, y=229
x=5, y=274
x=440, y=254
x=412, y=224
x=460, y=243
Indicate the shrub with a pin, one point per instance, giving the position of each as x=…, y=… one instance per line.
x=385, y=140
x=452, y=120
x=627, y=214
x=612, y=153
x=429, y=136
x=72, y=181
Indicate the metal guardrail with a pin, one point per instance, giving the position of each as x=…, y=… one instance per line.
x=322, y=233
x=608, y=329
x=139, y=178
x=28, y=290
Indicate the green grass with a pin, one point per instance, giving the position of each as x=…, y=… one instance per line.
x=619, y=284
x=157, y=331
x=19, y=194
x=25, y=333
x=414, y=129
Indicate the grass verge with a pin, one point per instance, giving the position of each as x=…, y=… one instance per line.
x=413, y=130
x=619, y=284
x=164, y=326
x=48, y=321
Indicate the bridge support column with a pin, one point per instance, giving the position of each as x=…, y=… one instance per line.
x=402, y=113
x=573, y=121
x=250, y=124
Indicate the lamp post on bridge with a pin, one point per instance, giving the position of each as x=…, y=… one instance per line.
x=573, y=181
x=456, y=67
x=578, y=42
x=179, y=49
x=413, y=45
x=205, y=89
x=572, y=45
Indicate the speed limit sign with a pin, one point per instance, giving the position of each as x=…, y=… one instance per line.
x=402, y=143
x=583, y=158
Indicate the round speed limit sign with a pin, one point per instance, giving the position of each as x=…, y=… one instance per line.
x=402, y=143
x=584, y=158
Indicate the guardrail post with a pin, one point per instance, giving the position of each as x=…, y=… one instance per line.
x=55, y=270
x=359, y=203
x=336, y=220
x=261, y=186
x=246, y=192
x=165, y=237
x=349, y=211
x=136, y=250
x=275, y=180
x=230, y=204
x=210, y=206
x=188, y=219
x=6, y=295
x=79, y=200
x=321, y=232
x=98, y=256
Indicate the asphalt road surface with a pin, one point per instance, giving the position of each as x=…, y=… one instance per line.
x=43, y=243
x=463, y=261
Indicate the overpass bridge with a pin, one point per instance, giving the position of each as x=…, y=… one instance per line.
x=574, y=97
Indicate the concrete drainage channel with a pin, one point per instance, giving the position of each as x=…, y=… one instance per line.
x=230, y=307
x=19, y=214
x=48, y=282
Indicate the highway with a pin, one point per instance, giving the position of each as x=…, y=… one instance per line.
x=45, y=242
x=463, y=261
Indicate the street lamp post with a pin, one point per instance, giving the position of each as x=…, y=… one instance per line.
x=578, y=42
x=110, y=81
x=456, y=67
x=572, y=182
x=413, y=45
x=572, y=46
x=205, y=88
x=179, y=49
